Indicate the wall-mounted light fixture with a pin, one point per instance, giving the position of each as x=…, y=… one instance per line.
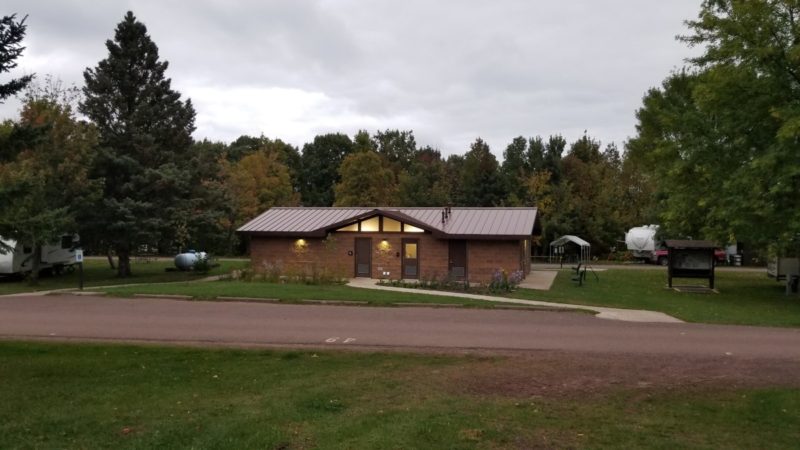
x=300, y=245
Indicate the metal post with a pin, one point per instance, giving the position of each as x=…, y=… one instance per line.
x=80, y=272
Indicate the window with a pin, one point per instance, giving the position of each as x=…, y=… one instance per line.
x=391, y=225
x=379, y=223
x=410, y=250
x=66, y=242
x=370, y=225
x=351, y=227
x=412, y=229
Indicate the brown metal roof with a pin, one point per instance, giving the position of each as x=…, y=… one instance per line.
x=497, y=223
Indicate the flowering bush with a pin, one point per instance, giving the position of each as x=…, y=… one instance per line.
x=503, y=282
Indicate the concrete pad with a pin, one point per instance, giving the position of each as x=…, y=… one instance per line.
x=540, y=280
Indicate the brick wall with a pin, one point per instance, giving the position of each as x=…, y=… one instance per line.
x=483, y=257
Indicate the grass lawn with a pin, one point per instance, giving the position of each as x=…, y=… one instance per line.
x=745, y=298
x=114, y=396
x=97, y=272
x=291, y=292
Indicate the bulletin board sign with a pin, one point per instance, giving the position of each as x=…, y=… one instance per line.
x=691, y=259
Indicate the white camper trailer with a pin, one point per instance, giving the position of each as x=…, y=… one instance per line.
x=641, y=241
x=18, y=258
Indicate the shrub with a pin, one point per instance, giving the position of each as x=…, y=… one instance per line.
x=202, y=264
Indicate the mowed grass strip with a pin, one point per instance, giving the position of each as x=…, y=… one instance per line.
x=744, y=298
x=292, y=292
x=115, y=396
x=97, y=272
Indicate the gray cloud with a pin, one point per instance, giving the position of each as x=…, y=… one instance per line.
x=449, y=70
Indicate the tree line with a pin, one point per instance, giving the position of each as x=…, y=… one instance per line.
x=715, y=154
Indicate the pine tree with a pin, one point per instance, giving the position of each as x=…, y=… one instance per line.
x=11, y=34
x=320, y=163
x=145, y=135
x=481, y=184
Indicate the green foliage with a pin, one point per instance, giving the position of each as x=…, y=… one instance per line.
x=202, y=264
x=720, y=141
x=12, y=31
x=365, y=181
x=427, y=181
x=399, y=148
x=320, y=163
x=515, y=169
x=252, y=185
x=43, y=188
x=287, y=154
x=480, y=184
x=145, y=137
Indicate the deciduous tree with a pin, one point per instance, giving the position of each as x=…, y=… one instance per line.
x=252, y=185
x=47, y=183
x=366, y=180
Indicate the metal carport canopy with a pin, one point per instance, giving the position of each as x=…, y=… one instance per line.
x=585, y=246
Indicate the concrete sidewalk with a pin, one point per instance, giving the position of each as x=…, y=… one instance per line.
x=540, y=280
x=627, y=315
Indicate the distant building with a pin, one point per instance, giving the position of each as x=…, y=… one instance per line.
x=395, y=243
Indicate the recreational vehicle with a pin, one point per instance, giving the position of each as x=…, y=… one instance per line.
x=17, y=258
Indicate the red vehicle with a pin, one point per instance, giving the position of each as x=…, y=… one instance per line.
x=661, y=256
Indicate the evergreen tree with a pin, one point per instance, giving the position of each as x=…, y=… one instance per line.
x=481, y=184
x=535, y=154
x=515, y=170
x=145, y=135
x=554, y=149
x=11, y=34
x=320, y=163
x=362, y=142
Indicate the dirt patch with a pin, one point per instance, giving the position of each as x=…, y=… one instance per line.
x=563, y=374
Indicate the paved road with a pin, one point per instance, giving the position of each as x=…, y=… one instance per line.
x=234, y=323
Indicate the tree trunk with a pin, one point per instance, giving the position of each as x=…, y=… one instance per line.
x=36, y=259
x=124, y=263
x=110, y=259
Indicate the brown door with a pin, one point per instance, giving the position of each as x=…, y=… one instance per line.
x=410, y=258
x=458, y=260
x=364, y=257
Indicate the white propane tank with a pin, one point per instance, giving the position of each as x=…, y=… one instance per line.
x=186, y=260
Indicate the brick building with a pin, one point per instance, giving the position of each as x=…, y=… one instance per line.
x=393, y=242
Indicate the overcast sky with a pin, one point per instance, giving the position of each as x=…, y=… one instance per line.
x=449, y=70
